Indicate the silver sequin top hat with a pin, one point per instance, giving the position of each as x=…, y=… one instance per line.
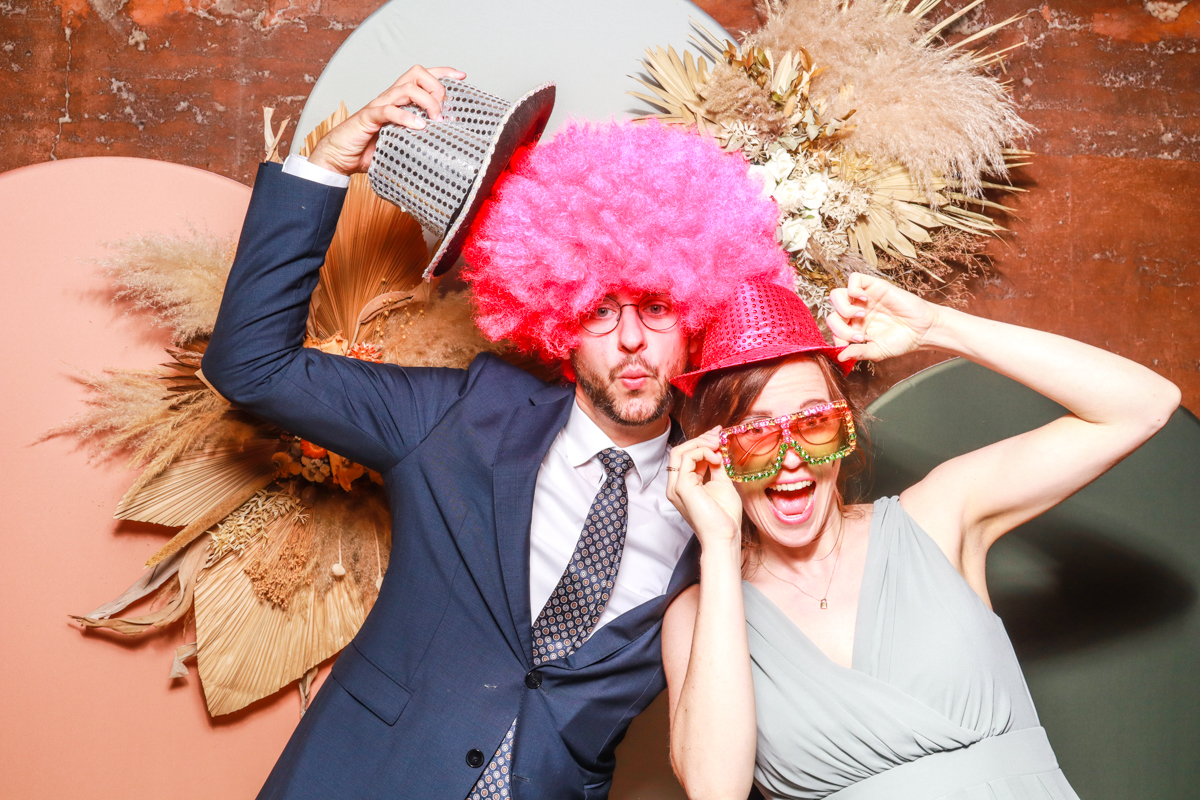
x=443, y=173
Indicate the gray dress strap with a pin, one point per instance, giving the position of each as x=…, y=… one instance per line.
x=934, y=705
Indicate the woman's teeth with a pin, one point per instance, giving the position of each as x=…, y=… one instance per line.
x=791, y=500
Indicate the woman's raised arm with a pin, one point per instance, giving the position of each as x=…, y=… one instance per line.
x=967, y=503
x=706, y=654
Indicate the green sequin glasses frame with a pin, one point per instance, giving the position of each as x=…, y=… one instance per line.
x=755, y=450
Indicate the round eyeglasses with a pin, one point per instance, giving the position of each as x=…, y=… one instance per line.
x=654, y=311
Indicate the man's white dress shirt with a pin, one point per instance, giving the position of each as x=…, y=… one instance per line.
x=569, y=479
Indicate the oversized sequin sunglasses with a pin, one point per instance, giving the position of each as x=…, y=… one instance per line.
x=820, y=434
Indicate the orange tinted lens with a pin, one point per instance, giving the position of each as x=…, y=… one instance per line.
x=822, y=434
x=753, y=450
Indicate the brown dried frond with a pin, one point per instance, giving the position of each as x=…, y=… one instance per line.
x=930, y=108
x=377, y=250
x=284, y=563
x=434, y=332
x=352, y=529
x=945, y=267
x=178, y=278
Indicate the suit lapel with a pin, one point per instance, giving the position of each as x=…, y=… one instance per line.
x=530, y=432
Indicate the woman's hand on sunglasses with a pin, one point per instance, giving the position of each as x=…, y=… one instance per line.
x=712, y=507
x=875, y=319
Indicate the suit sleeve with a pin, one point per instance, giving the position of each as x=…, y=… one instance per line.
x=371, y=413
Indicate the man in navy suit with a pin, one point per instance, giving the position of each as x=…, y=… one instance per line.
x=516, y=633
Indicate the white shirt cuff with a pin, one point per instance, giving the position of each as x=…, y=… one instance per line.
x=302, y=168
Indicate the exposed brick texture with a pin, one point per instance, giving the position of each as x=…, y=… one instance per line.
x=1106, y=249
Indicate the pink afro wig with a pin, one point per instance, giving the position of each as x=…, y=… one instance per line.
x=616, y=206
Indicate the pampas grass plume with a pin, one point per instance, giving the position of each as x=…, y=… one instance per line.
x=929, y=108
x=178, y=279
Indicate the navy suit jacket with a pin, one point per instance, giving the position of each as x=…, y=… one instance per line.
x=442, y=664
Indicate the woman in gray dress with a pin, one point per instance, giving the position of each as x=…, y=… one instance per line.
x=850, y=651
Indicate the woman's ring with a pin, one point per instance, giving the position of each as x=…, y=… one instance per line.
x=672, y=469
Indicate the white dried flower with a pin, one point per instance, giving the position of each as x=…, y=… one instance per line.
x=740, y=136
x=795, y=232
x=815, y=297
x=780, y=165
x=789, y=194
x=814, y=190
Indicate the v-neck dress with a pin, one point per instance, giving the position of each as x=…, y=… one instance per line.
x=935, y=706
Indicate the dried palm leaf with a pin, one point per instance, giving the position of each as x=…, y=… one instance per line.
x=271, y=137
x=185, y=364
x=676, y=85
x=149, y=581
x=250, y=647
x=901, y=213
x=377, y=250
x=189, y=570
x=377, y=255
x=217, y=512
x=197, y=481
x=323, y=127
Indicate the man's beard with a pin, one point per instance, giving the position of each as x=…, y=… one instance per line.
x=601, y=396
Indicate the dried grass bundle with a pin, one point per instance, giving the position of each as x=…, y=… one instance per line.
x=284, y=561
x=179, y=279
x=731, y=97
x=944, y=268
x=930, y=108
x=250, y=521
x=130, y=410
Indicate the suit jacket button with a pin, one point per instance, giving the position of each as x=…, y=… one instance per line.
x=474, y=759
x=533, y=679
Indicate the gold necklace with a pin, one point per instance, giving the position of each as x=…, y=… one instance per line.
x=823, y=600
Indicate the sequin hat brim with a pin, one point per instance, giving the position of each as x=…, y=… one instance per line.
x=524, y=123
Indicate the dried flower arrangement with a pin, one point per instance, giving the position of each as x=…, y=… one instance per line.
x=875, y=137
x=282, y=544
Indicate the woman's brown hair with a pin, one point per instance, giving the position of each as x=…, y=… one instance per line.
x=724, y=397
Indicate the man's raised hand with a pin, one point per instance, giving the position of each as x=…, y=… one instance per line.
x=348, y=148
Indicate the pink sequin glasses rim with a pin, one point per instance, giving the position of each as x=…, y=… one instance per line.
x=787, y=439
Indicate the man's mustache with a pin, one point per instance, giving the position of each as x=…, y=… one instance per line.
x=632, y=361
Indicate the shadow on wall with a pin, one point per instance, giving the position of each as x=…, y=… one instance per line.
x=1059, y=589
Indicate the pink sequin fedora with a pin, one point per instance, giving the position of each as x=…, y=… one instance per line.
x=762, y=321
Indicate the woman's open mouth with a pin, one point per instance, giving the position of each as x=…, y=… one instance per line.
x=791, y=502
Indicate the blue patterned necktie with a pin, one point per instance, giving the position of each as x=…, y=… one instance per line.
x=575, y=605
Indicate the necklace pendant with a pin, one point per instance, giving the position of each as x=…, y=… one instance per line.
x=824, y=603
